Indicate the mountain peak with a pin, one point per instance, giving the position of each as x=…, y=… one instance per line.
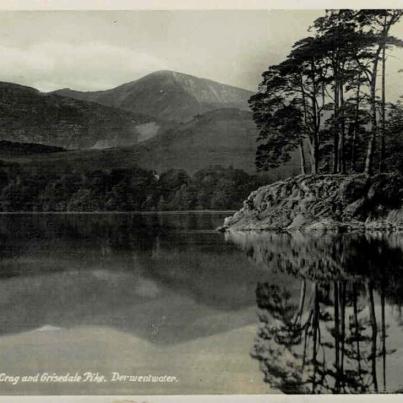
x=162, y=72
x=169, y=95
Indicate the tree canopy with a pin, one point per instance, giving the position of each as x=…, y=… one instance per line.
x=323, y=98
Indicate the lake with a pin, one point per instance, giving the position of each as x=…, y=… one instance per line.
x=112, y=297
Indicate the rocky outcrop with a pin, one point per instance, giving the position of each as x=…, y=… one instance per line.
x=324, y=202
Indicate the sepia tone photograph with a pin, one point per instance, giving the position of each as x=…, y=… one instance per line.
x=201, y=202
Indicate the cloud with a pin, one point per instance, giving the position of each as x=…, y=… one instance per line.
x=90, y=66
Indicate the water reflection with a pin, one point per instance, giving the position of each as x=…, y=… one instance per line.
x=164, y=278
x=177, y=293
x=331, y=327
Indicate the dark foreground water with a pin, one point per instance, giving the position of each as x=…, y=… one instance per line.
x=111, y=298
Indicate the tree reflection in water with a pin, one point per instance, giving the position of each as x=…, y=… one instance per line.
x=332, y=337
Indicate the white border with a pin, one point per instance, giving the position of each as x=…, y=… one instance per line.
x=207, y=398
x=193, y=4
x=48, y=5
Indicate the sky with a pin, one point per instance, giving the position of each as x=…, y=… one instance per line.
x=95, y=50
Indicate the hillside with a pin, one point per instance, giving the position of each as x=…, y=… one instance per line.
x=221, y=137
x=225, y=137
x=168, y=95
x=29, y=116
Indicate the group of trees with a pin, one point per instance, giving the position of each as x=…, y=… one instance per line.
x=133, y=189
x=324, y=97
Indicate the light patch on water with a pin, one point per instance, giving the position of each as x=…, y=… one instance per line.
x=143, y=287
x=146, y=288
x=48, y=328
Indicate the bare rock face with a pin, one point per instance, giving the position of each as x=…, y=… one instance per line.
x=324, y=202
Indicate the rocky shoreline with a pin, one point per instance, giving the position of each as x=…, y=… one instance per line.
x=323, y=202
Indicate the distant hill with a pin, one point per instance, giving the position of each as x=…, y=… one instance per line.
x=225, y=137
x=220, y=137
x=168, y=95
x=29, y=116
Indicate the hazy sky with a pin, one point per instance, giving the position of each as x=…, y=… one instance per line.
x=91, y=50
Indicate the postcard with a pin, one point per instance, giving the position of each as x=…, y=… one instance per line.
x=200, y=201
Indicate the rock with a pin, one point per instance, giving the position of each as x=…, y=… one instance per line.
x=324, y=202
x=298, y=222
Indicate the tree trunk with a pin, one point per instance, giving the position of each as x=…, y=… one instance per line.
x=355, y=128
x=301, y=145
x=383, y=112
x=302, y=156
x=342, y=162
x=336, y=126
x=372, y=140
x=315, y=166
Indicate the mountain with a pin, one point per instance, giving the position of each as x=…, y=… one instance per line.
x=29, y=116
x=125, y=134
x=168, y=95
x=222, y=137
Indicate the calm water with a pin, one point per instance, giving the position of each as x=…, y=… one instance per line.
x=220, y=313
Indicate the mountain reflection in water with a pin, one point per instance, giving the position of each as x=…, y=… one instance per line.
x=334, y=326
x=167, y=293
x=112, y=269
